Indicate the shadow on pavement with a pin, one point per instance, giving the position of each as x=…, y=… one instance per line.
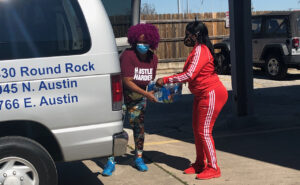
x=76, y=173
x=279, y=148
x=160, y=157
x=259, y=74
x=149, y=157
x=274, y=128
x=126, y=159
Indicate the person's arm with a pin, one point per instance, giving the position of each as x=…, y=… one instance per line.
x=128, y=82
x=198, y=61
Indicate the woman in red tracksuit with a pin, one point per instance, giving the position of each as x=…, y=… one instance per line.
x=210, y=95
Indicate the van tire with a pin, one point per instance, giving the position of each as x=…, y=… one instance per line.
x=16, y=151
x=275, y=67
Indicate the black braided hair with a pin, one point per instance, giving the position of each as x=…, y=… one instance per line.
x=199, y=29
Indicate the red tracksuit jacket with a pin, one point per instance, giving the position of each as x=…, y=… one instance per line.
x=198, y=71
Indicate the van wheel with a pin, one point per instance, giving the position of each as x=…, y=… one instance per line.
x=24, y=161
x=275, y=68
x=222, y=63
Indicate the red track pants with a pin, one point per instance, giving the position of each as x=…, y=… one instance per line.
x=206, y=109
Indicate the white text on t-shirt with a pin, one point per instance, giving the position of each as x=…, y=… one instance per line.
x=143, y=74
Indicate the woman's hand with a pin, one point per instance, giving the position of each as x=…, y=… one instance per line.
x=150, y=96
x=160, y=82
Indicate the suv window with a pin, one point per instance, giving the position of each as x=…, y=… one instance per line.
x=120, y=14
x=256, y=25
x=42, y=28
x=298, y=24
x=276, y=26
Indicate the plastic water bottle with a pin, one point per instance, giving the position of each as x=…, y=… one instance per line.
x=166, y=94
x=158, y=96
x=151, y=86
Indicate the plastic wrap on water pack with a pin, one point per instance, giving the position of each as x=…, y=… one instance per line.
x=168, y=93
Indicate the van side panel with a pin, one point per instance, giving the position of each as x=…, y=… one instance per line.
x=70, y=95
x=60, y=103
x=84, y=142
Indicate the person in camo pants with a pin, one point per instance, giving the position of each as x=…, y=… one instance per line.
x=135, y=110
x=138, y=68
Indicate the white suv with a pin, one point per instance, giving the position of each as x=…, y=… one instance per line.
x=60, y=88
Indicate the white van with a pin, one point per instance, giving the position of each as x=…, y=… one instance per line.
x=60, y=88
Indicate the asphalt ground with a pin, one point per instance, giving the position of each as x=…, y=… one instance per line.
x=262, y=149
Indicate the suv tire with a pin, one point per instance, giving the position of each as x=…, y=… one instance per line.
x=222, y=63
x=275, y=68
x=24, y=160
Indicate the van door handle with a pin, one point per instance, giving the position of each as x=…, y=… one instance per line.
x=255, y=41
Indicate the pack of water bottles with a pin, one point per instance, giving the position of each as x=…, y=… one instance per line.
x=166, y=94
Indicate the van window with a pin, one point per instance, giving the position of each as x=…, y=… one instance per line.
x=42, y=28
x=120, y=15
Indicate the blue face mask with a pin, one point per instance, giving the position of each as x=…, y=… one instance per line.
x=142, y=48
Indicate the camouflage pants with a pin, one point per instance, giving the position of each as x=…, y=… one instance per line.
x=135, y=110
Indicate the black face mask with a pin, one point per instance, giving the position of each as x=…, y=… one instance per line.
x=189, y=41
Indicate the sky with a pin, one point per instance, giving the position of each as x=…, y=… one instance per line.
x=200, y=6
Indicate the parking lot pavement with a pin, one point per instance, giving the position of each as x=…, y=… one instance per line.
x=88, y=172
x=126, y=173
x=254, y=158
x=257, y=150
x=245, y=158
